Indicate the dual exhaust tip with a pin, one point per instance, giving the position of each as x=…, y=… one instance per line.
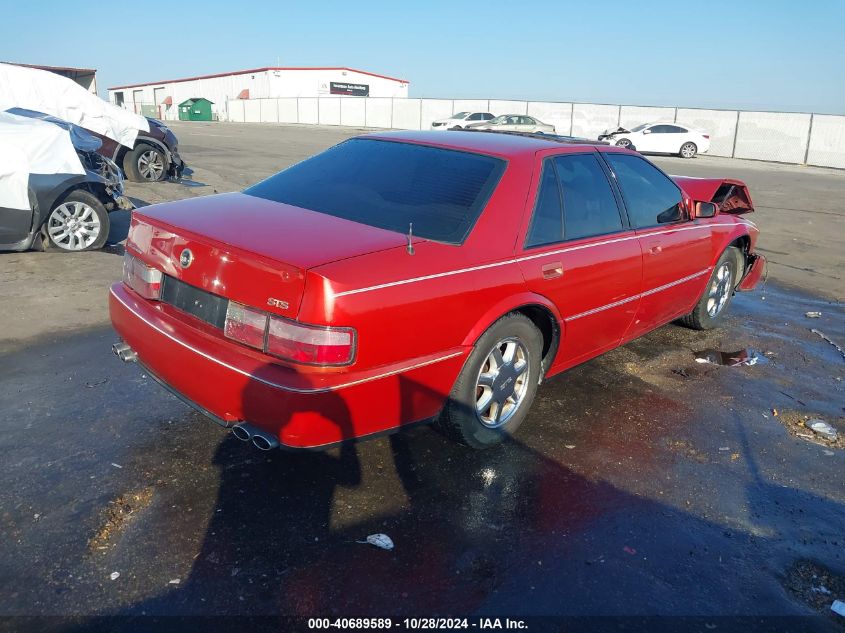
x=260, y=439
x=124, y=352
x=244, y=432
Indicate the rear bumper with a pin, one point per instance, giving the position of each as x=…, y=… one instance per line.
x=755, y=270
x=232, y=384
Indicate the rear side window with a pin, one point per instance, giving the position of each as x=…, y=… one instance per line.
x=589, y=207
x=390, y=185
x=650, y=196
x=547, y=220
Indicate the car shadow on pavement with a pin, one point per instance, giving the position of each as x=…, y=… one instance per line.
x=509, y=530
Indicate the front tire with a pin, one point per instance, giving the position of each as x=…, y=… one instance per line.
x=624, y=142
x=78, y=223
x=145, y=163
x=711, y=307
x=688, y=150
x=497, y=385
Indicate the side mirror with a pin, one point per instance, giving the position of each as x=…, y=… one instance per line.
x=705, y=209
x=648, y=131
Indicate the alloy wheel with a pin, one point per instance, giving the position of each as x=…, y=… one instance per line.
x=502, y=383
x=151, y=165
x=73, y=226
x=688, y=150
x=720, y=290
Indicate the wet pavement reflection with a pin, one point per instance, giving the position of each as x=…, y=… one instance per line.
x=642, y=483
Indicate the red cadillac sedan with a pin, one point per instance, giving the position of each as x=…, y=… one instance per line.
x=414, y=276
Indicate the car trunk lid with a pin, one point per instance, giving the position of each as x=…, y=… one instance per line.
x=246, y=249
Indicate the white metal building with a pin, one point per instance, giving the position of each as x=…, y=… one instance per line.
x=161, y=99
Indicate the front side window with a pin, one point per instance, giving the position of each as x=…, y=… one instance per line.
x=650, y=196
x=390, y=185
x=589, y=207
x=474, y=117
x=486, y=116
x=547, y=219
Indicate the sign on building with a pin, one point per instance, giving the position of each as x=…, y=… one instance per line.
x=351, y=90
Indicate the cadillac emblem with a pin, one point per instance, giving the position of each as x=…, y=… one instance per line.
x=186, y=258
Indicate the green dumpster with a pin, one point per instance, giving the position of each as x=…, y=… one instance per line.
x=195, y=109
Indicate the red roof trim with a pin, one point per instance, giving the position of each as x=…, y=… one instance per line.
x=257, y=70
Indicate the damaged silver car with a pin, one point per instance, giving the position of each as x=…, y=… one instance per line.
x=56, y=191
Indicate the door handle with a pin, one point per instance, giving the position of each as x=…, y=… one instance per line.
x=655, y=250
x=552, y=270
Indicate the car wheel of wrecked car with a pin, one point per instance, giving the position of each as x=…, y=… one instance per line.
x=624, y=142
x=496, y=387
x=688, y=150
x=718, y=293
x=145, y=163
x=79, y=222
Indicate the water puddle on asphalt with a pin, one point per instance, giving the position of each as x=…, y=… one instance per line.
x=748, y=356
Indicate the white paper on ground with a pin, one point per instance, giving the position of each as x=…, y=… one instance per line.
x=47, y=92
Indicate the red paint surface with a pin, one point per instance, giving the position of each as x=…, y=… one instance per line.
x=416, y=317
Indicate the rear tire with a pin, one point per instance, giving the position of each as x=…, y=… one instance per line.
x=688, y=150
x=145, y=163
x=496, y=387
x=714, y=302
x=79, y=222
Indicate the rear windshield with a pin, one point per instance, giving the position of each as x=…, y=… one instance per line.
x=390, y=185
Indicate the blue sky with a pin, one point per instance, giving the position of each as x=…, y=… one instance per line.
x=752, y=54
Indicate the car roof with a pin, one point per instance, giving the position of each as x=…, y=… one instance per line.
x=483, y=142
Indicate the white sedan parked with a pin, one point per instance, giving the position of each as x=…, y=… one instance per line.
x=660, y=138
x=461, y=120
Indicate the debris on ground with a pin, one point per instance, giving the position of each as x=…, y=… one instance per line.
x=116, y=465
x=822, y=428
x=382, y=541
x=814, y=585
x=118, y=513
x=838, y=607
x=731, y=359
x=175, y=581
x=813, y=428
x=629, y=550
x=688, y=450
x=114, y=575
x=812, y=315
x=828, y=339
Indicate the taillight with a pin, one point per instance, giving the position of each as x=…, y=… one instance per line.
x=245, y=325
x=310, y=344
x=143, y=279
x=289, y=340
